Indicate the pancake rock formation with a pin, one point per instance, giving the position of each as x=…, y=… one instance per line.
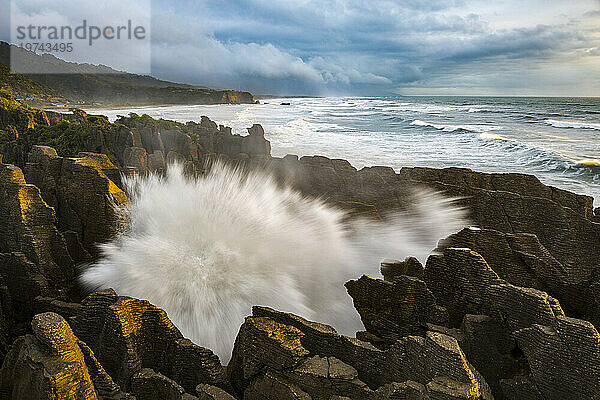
x=505, y=308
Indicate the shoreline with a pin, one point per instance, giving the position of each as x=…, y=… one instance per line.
x=475, y=276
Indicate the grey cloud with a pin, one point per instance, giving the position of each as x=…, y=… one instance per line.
x=359, y=47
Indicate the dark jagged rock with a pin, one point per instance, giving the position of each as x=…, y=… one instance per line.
x=255, y=143
x=459, y=279
x=150, y=385
x=327, y=376
x=192, y=141
x=564, y=357
x=33, y=254
x=517, y=203
x=48, y=304
x=522, y=260
x=273, y=386
x=156, y=162
x=80, y=191
x=209, y=392
x=408, y=390
x=522, y=337
x=46, y=365
x=76, y=250
x=411, y=358
x=392, y=269
x=522, y=184
x=263, y=343
x=105, y=387
x=391, y=310
x=520, y=388
x=491, y=350
x=135, y=157
x=126, y=334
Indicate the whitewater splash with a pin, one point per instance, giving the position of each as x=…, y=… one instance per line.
x=207, y=249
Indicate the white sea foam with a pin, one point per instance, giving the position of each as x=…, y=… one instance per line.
x=573, y=124
x=452, y=128
x=207, y=249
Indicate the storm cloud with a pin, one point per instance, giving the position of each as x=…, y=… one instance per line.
x=380, y=47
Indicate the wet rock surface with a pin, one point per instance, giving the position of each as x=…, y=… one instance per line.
x=507, y=309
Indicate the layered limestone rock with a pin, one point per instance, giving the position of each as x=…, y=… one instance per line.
x=150, y=385
x=209, y=392
x=195, y=142
x=135, y=157
x=81, y=192
x=391, y=310
x=491, y=314
x=46, y=365
x=255, y=143
x=34, y=259
x=459, y=279
x=518, y=338
x=521, y=341
x=127, y=334
x=522, y=260
x=392, y=269
x=280, y=354
x=521, y=184
x=517, y=203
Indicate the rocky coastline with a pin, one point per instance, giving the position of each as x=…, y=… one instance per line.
x=507, y=308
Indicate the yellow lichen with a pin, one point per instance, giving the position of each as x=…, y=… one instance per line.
x=73, y=381
x=118, y=195
x=15, y=175
x=129, y=313
x=25, y=200
x=286, y=336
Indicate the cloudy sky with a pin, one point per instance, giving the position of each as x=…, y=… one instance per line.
x=379, y=47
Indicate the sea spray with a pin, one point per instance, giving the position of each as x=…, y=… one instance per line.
x=206, y=249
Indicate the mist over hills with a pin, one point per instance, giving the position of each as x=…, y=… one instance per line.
x=56, y=81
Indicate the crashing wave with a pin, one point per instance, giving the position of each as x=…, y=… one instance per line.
x=207, y=249
x=573, y=124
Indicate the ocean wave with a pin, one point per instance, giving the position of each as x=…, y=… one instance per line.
x=476, y=109
x=491, y=136
x=573, y=124
x=305, y=126
x=589, y=162
x=453, y=128
x=543, y=160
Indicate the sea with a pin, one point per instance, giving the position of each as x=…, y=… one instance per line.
x=555, y=139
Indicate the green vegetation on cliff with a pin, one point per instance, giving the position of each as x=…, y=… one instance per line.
x=22, y=127
x=26, y=88
x=87, y=84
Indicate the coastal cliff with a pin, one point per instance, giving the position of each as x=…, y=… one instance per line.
x=508, y=308
x=57, y=83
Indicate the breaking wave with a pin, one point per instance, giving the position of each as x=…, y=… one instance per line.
x=453, y=128
x=573, y=124
x=206, y=249
x=589, y=162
